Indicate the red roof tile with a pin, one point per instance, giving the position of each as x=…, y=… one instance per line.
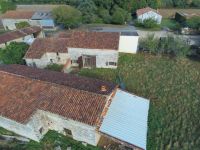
x=91, y=40
x=14, y=14
x=145, y=10
x=9, y=36
x=21, y=96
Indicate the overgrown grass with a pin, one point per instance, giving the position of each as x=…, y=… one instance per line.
x=173, y=87
x=51, y=140
x=170, y=23
x=5, y=132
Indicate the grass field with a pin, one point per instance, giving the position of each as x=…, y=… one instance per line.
x=173, y=87
x=169, y=13
x=51, y=140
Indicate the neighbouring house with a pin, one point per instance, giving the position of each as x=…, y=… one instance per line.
x=147, y=13
x=34, y=18
x=44, y=19
x=27, y=35
x=33, y=101
x=83, y=49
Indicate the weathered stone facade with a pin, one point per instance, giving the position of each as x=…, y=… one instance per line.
x=41, y=122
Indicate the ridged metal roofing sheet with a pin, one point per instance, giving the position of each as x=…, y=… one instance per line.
x=127, y=119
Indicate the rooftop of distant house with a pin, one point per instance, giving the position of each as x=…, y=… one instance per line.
x=145, y=10
x=40, y=7
x=90, y=40
x=10, y=36
x=15, y=14
x=39, y=15
x=25, y=90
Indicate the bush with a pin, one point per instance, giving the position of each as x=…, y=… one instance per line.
x=22, y=24
x=69, y=16
x=193, y=23
x=13, y=53
x=146, y=23
x=170, y=45
x=55, y=67
x=5, y=5
x=150, y=23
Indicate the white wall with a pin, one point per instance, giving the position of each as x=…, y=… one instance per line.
x=102, y=56
x=45, y=60
x=150, y=14
x=10, y=23
x=128, y=44
x=18, y=128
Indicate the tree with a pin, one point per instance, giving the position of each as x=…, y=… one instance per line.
x=13, y=53
x=120, y=16
x=5, y=5
x=69, y=16
x=88, y=10
x=104, y=14
x=22, y=24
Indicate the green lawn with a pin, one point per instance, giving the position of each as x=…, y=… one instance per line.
x=173, y=87
x=51, y=140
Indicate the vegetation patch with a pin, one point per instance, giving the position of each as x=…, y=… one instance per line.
x=54, y=67
x=172, y=85
x=50, y=141
x=13, y=53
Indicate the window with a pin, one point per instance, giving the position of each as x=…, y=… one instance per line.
x=111, y=64
x=68, y=132
x=74, y=61
x=51, y=60
x=57, y=54
x=41, y=130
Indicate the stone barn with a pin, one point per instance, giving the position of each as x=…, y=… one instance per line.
x=33, y=101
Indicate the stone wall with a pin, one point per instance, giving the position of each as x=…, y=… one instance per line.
x=102, y=56
x=41, y=122
x=48, y=58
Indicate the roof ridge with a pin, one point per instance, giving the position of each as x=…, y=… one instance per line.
x=52, y=83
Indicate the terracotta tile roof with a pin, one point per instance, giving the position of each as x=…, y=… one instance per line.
x=9, y=36
x=91, y=40
x=42, y=45
x=73, y=81
x=21, y=96
x=14, y=14
x=145, y=10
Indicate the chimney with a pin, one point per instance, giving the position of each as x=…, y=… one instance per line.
x=103, y=88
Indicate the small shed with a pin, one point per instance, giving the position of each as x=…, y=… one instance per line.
x=147, y=13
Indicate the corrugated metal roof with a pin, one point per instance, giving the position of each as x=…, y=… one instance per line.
x=127, y=119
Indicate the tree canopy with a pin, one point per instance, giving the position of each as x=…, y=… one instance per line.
x=6, y=5
x=13, y=53
x=67, y=15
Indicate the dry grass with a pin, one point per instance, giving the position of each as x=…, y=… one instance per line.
x=169, y=13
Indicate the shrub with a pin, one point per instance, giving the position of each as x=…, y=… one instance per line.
x=22, y=24
x=5, y=5
x=193, y=23
x=170, y=45
x=150, y=23
x=54, y=67
x=146, y=23
x=13, y=53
